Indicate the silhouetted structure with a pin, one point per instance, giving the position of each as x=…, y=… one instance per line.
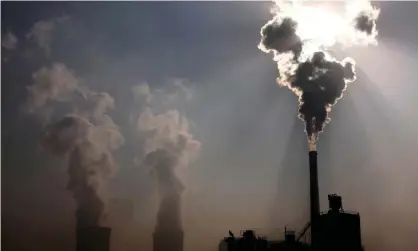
x=339, y=230
x=314, y=195
x=168, y=240
x=168, y=233
x=248, y=242
x=93, y=239
x=335, y=230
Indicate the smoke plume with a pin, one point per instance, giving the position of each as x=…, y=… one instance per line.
x=9, y=41
x=168, y=147
x=85, y=137
x=300, y=37
x=42, y=32
x=50, y=84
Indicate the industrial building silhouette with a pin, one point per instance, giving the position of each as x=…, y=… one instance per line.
x=334, y=230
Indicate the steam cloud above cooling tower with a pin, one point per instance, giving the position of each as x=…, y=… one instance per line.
x=85, y=137
x=299, y=36
x=168, y=147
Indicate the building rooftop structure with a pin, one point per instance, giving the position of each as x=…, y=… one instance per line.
x=337, y=230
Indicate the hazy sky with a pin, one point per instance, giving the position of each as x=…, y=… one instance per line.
x=252, y=169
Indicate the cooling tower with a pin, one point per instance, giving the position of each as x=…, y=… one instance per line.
x=168, y=240
x=93, y=239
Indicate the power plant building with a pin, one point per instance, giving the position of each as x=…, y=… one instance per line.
x=334, y=230
x=339, y=230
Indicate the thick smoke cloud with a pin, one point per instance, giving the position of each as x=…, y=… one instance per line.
x=62, y=136
x=55, y=83
x=322, y=83
x=364, y=17
x=304, y=64
x=281, y=37
x=168, y=147
x=85, y=138
x=365, y=23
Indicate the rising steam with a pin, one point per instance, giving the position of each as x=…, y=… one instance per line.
x=168, y=147
x=85, y=138
x=300, y=37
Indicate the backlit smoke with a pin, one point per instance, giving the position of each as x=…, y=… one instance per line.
x=90, y=164
x=168, y=147
x=85, y=137
x=300, y=37
x=50, y=84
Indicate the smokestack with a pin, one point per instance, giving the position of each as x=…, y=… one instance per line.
x=168, y=240
x=314, y=195
x=93, y=239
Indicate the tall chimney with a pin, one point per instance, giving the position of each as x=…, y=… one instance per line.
x=314, y=196
x=93, y=239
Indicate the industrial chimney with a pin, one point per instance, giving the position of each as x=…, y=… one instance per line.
x=314, y=195
x=93, y=239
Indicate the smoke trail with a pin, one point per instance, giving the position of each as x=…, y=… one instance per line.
x=168, y=147
x=85, y=138
x=300, y=37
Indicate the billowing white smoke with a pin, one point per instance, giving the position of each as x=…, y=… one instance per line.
x=168, y=146
x=300, y=36
x=85, y=137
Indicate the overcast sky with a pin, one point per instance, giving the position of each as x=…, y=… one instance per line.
x=252, y=169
